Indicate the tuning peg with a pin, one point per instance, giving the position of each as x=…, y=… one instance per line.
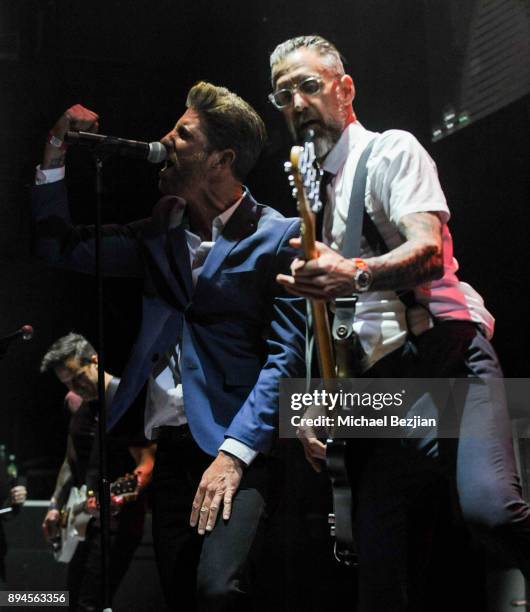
x=287, y=166
x=290, y=178
x=295, y=192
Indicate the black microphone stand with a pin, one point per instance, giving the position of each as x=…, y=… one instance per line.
x=104, y=483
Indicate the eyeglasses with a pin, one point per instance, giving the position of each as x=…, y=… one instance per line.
x=284, y=97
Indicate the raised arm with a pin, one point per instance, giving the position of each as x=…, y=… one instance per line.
x=76, y=118
x=57, y=240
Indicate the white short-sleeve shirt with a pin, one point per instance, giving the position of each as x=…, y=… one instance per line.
x=402, y=179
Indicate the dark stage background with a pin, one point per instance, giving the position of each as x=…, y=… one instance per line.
x=133, y=63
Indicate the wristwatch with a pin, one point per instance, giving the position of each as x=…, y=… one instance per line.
x=362, y=279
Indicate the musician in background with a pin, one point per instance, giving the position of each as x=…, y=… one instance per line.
x=414, y=319
x=12, y=496
x=75, y=363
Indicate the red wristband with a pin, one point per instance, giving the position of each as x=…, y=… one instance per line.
x=360, y=264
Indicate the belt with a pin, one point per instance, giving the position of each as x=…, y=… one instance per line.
x=171, y=433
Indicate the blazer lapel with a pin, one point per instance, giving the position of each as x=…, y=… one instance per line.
x=240, y=225
x=179, y=259
x=168, y=252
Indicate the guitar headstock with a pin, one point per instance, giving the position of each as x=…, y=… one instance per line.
x=122, y=491
x=304, y=178
x=125, y=484
x=305, y=174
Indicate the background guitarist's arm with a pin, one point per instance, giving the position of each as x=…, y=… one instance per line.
x=144, y=456
x=63, y=484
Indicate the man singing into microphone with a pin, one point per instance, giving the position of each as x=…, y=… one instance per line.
x=217, y=334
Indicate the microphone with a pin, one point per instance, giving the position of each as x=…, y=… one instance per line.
x=153, y=152
x=25, y=332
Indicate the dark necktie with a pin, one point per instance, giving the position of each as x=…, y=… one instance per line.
x=327, y=177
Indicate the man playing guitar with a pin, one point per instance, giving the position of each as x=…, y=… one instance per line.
x=74, y=361
x=414, y=319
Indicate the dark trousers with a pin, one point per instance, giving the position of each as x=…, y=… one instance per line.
x=84, y=570
x=212, y=572
x=395, y=480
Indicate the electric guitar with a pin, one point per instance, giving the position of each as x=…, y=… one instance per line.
x=74, y=516
x=305, y=178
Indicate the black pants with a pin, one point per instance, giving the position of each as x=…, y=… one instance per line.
x=84, y=570
x=211, y=572
x=395, y=479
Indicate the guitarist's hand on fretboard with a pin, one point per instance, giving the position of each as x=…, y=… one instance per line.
x=327, y=276
x=50, y=525
x=91, y=505
x=144, y=475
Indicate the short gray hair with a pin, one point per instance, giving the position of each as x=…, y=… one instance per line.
x=319, y=44
x=71, y=345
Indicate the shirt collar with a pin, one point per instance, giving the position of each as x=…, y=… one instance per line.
x=176, y=215
x=219, y=223
x=352, y=135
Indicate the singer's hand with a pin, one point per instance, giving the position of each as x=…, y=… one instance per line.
x=77, y=118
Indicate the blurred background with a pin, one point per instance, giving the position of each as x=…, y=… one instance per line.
x=454, y=73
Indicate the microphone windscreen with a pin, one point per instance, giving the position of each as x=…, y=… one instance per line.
x=27, y=332
x=157, y=153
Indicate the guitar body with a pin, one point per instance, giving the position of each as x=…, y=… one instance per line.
x=74, y=517
x=73, y=525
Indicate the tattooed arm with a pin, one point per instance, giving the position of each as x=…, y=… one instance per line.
x=418, y=260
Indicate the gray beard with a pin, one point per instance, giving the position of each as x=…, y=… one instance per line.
x=324, y=141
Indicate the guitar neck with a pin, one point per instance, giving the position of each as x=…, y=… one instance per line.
x=326, y=358
x=321, y=329
x=305, y=180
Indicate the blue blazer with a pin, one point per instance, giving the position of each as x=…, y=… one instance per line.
x=239, y=332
